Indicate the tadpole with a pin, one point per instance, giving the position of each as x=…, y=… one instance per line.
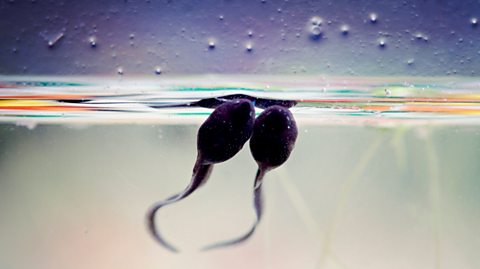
x=272, y=141
x=219, y=138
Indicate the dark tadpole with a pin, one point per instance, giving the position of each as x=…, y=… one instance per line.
x=219, y=138
x=273, y=139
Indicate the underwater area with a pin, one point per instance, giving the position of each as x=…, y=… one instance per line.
x=110, y=108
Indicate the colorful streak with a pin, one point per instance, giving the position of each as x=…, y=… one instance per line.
x=433, y=100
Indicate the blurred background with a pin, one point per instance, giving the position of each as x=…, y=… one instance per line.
x=147, y=37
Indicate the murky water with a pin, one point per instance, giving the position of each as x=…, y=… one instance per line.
x=384, y=174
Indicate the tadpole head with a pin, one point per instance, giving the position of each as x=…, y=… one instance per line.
x=225, y=131
x=274, y=136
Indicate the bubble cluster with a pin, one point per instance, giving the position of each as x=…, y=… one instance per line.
x=314, y=27
x=316, y=21
x=316, y=32
x=421, y=37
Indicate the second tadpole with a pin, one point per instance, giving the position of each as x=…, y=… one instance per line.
x=273, y=139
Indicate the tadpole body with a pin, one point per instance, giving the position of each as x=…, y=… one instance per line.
x=219, y=138
x=273, y=139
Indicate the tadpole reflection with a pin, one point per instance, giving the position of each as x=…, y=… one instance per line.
x=272, y=138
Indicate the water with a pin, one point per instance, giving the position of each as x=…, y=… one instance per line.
x=384, y=174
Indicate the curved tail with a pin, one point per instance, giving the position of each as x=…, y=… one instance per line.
x=201, y=172
x=258, y=206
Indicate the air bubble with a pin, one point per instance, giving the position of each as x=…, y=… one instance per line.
x=387, y=91
x=250, y=33
x=373, y=17
x=221, y=17
x=158, y=70
x=410, y=61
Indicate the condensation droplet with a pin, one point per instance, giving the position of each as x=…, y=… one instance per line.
x=344, y=29
x=120, y=71
x=316, y=20
x=211, y=44
x=249, y=47
x=316, y=32
x=314, y=28
x=373, y=17
x=382, y=43
x=52, y=42
x=474, y=22
x=421, y=37
x=92, y=41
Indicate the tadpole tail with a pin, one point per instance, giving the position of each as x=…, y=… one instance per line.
x=258, y=206
x=201, y=172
